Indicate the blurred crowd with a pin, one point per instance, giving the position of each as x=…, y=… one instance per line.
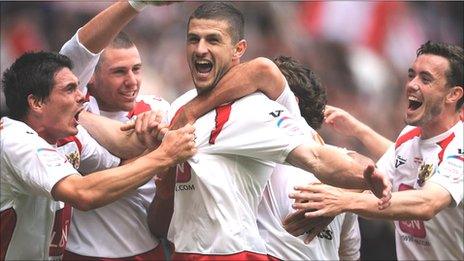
x=361, y=51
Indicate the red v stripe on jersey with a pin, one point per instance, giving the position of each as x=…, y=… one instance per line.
x=7, y=226
x=443, y=144
x=416, y=132
x=139, y=107
x=222, y=116
x=69, y=139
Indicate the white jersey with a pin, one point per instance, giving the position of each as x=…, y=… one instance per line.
x=341, y=238
x=440, y=238
x=219, y=189
x=34, y=225
x=118, y=229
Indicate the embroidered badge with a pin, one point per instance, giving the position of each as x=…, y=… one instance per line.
x=74, y=159
x=425, y=172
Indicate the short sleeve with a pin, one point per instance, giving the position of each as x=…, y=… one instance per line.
x=449, y=174
x=386, y=163
x=83, y=60
x=34, y=165
x=288, y=100
x=266, y=132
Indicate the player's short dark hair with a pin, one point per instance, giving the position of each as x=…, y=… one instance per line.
x=32, y=73
x=455, y=55
x=307, y=88
x=121, y=41
x=223, y=12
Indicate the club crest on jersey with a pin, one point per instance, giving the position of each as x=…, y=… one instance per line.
x=425, y=172
x=399, y=161
x=74, y=158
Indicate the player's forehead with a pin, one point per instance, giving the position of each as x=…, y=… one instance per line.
x=64, y=77
x=113, y=57
x=204, y=27
x=432, y=64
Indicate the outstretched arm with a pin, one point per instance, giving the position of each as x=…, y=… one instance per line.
x=259, y=74
x=324, y=200
x=334, y=167
x=128, y=143
x=100, y=188
x=345, y=124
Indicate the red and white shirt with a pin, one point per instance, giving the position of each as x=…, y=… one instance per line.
x=33, y=224
x=118, y=229
x=440, y=238
x=219, y=189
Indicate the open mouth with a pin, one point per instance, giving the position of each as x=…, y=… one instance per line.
x=129, y=95
x=203, y=66
x=76, y=116
x=413, y=103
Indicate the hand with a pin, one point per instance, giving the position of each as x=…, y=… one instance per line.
x=319, y=200
x=148, y=127
x=297, y=224
x=341, y=121
x=380, y=186
x=1, y=125
x=179, y=145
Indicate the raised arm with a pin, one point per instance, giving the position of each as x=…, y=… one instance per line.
x=345, y=124
x=259, y=74
x=100, y=188
x=101, y=30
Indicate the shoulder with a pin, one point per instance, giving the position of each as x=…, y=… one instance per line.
x=155, y=102
x=17, y=133
x=408, y=133
x=181, y=101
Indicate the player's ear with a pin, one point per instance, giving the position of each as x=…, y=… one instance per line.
x=454, y=94
x=35, y=104
x=240, y=49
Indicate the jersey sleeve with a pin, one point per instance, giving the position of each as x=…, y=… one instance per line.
x=350, y=238
x=34, y=166
x=94, y=157
x=449, y=173
x=83, y=60
x=386, y=164
x=266, y=132
x=288, y=100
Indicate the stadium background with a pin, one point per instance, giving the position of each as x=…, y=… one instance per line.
x=360, y=50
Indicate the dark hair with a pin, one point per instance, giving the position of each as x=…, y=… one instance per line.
x=32, y=73
x=121, y=41
x=455, y=56
x=223, y=12
x=307, y=88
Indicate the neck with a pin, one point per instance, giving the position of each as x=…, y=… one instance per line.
x=439, y=125
x=41, y=130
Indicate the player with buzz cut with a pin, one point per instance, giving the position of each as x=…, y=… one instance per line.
x=122, y=225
